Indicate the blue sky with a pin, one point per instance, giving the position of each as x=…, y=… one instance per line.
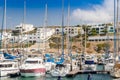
x=35, y=10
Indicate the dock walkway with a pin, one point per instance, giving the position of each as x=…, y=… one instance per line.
x=74, y=72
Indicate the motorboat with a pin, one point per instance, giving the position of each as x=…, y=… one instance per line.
x=33, y=67
x=8, y=67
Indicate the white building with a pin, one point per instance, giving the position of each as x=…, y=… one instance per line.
x=73, y=31
x=5, y=35
x=100, y=38
x=24, y=27
x=41, y=35
x=19, y=39
x=99, y=29
x=110, y=29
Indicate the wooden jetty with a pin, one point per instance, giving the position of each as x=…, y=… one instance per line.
x=93, y=72
x=74, y=72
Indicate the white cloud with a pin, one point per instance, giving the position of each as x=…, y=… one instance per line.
x=97, y=14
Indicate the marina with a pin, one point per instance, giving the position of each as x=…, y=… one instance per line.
x=66, y=52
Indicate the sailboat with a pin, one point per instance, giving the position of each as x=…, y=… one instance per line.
x=7, y=66
x=89, y=63
x=49, y=63
x=61, y=69
x=115, y=72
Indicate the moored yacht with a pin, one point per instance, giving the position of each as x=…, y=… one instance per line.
x=33, y=67
x=8, y=67
x=89, y=63
x=60, y=70
x=115, y=72
x=49, y=64
x=109, y=64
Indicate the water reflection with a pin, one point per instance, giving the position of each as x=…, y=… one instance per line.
x=77, y=77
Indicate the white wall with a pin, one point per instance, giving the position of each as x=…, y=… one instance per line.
x=41, y=34
x=24, y=27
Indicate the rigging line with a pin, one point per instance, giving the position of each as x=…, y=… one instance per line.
x=115, y=29
x=2, y=27
x=62, y=27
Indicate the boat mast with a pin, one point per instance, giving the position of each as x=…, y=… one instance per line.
x=117, y=26
x=85, y=40
x=23, y=25
x=63, y=27
x=24, y=21
x=44, y=29
x=115, y=31
x=3, y=24
x=5, y=27
x=68, y=30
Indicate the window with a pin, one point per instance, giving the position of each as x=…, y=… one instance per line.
x=1, y=66
x=57, y=30
x=5, y=65
x=31, y=62
x=39, y=62
x=111, y=27
x=9, y=65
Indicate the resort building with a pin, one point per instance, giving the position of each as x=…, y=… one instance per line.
x=19, y=39
x=100, y=38
x=41, y=35
x=73, y=31
x=110, y=29
x=101, y=29
x=5, y=35
x=24, y=28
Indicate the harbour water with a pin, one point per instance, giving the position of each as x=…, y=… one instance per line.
x=76, y=77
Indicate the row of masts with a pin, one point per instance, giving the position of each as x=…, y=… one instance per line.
x=116, y=26
x=44, y=27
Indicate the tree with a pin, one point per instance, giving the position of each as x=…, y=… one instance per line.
x=93, y=32
x=103, y=46
x=105, y=31
x=78, y=25
x=86, y=29
x=98, y=48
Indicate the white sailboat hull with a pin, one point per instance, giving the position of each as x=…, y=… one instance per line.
x=109, y=67
x=58, y=73
x=89, y=67
x=115, y=73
